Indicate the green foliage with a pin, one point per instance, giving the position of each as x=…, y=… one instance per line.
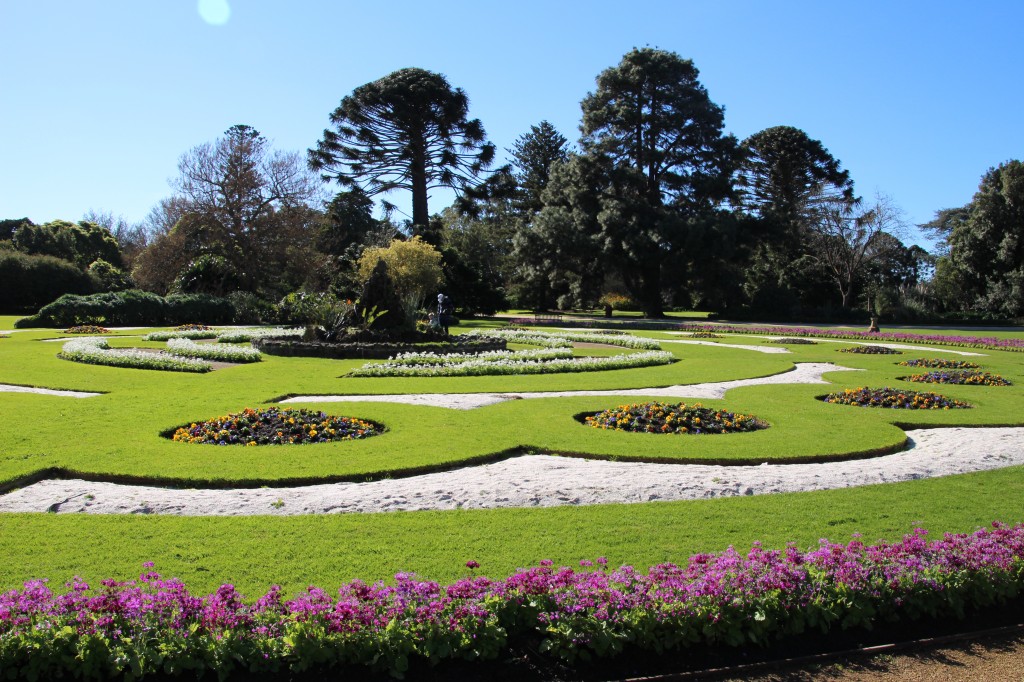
x=207, y=274
x=304, y=308
x=131, y=307
x=8, y=226
x=81, y=243
x=653, y=128
x=414, y=270
x=987, y=246
x=379, y=306
x=560, y=255
x=189, y=308
x=534, y=155
x=252, y=309
x=347, y=222
x=109, y=277
x=784, y=173
x=244, y=207
x=30, y=282
x=408, y=130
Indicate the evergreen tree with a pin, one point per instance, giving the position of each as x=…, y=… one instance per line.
x=987, y=247
x=409, y=130
x=652, y=125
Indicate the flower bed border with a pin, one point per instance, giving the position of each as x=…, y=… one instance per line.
x=771, y=598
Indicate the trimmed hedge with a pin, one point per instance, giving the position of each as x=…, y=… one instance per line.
x=132, y=307
x=30, y=282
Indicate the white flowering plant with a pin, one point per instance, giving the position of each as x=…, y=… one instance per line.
x=97, y=351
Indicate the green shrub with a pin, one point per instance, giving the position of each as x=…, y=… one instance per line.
x=30, y=282
x=183, y=308
x=251, y=309
x=618, y=302
x=130, y=308
x=109, y=277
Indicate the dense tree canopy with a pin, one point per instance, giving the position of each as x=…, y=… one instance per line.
x=240, y=201
x=414, y=267
x=651, y=124
x=986, y=245
x=81, y=243
x=534, y=155
x=409, y=130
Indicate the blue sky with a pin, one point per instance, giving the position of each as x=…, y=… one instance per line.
x=99, y=99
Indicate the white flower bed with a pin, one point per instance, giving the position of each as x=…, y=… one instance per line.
x=209, y=351
x=242, y=335
x=566, y=339
x=543, y=355
x=96, y=351
x=189, y=334
x=484, y=368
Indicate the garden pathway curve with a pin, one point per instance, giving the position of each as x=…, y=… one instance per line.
x=803, y=373
x=541, y=481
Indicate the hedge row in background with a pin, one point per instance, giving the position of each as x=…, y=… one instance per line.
x=28, y=282
x=132, y=307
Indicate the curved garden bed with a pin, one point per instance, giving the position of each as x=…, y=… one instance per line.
x=893, y=398
x=959, y=378
x=276, y=426
x=679, y=418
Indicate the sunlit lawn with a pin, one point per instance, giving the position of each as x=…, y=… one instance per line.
x=117, y=435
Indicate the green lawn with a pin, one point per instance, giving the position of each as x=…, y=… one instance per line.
x=117, y=436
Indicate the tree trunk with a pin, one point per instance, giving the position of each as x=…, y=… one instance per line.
x=418, y=172
x=651, y=291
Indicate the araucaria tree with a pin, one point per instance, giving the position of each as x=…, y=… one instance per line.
x=784, y=176
x=652, y=127
x=409, y=130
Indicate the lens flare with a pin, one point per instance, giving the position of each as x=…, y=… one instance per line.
x=214, y=12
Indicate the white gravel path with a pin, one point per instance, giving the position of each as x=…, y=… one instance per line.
x=10, y=388
x=541, y=481
x=804, y=373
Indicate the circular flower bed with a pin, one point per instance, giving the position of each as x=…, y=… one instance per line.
x=192, y=328
x=655, y=417
x=871, y=350
x=936, y=363
x=960, y=377
x=276, y=426
x=893, y=398
x=800, y=342
x=86, y=329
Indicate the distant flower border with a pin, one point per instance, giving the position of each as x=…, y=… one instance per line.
x=870, y=350
x=939, y=363
x=984, y=342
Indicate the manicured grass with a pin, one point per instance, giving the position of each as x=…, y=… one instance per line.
x=256, y=552
x=117, y=436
